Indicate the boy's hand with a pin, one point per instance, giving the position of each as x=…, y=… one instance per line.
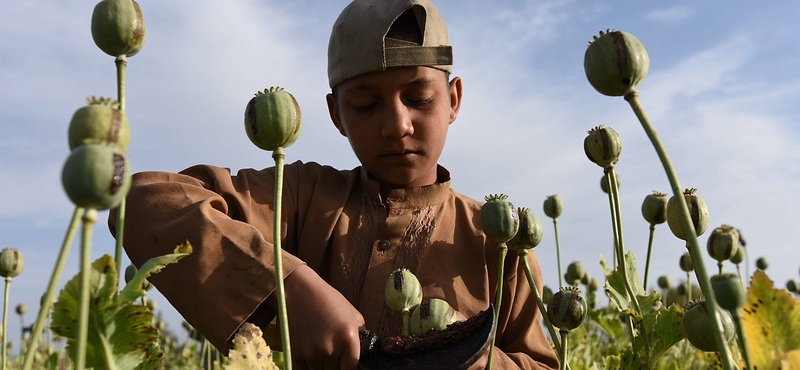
x=322, y=323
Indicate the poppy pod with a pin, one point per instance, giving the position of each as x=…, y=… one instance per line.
x=603, y=146
x=273, y=119
x=11, y=263
x=530, y=231
x=499, y=218
x=615, y=63
x=118, y=27
x=697, y=210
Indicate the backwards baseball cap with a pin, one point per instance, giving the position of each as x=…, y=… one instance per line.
x=361, y=40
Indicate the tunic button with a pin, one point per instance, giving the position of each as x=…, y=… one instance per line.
x=383, y=245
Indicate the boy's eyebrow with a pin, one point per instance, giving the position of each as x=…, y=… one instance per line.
x=421, y=81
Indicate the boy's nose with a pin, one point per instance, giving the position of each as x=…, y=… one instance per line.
x=397, y=122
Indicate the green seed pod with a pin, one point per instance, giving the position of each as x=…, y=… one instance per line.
x=273, y=119
x=654, y=208
x=151, y=305
x=130, y=272
x=603, y=146
x=616, y=63
x=604, y=182
x=591, y=302
x=547, y=294
x=593, y=285
x=100, y=122
x=553, y=206
x=738, y=256
x=499, y=218
x=761, y=263
x=567, y=308
x=530, y=231
x=575, y=271
x=430, y=314
x=698, y=329
x=118, y=27
x=791, y=286
x=571, y=281
x=160, y=325
x=697, y=210
x=663, y=282
x=403, y=291
x=722, y=243
x=686, y=262
x=585, y=279
x=21, y=309
x=96, y=176
x=681, y=289
x=11, y=263
x=729, y=291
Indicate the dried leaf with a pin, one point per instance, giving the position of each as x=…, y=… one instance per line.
x=771, y=321
x=250, y=351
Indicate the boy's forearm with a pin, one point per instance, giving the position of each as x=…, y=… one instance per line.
x=229, y=273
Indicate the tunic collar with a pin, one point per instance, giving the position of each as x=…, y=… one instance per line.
x=417, y=197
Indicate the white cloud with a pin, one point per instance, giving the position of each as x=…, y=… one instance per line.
x=674, y=14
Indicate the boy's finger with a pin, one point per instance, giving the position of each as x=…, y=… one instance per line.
x=349, y=358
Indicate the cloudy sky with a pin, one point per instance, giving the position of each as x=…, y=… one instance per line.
x=723, y=92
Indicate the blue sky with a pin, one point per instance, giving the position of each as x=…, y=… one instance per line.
x=723, y=92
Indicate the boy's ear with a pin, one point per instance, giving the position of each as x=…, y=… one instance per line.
x=455, y=97
x=333, y=110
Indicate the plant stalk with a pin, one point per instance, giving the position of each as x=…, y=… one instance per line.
x=523, y=253
x=632, y=328
x=502, y=250
x=558, y=254
x=278, y=155
x=121, y=62
x=688, y=227
x=614, y=229
x=649, y=250
x=621, y=253
x=740, y=338
x=47, y=301
x=406, y=321
x=565, y=346
x=89, y=218
x=5, y=319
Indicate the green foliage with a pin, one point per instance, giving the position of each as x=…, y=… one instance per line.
x=121, y=333
x=133, y=290
x=662, y=324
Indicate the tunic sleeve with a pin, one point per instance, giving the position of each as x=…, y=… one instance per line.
x=228, y=221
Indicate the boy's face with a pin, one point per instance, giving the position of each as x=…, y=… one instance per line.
x=396, y=121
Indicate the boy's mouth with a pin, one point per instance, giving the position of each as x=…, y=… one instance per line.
x=400, y=153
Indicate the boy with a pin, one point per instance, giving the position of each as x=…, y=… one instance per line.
x=344, y=232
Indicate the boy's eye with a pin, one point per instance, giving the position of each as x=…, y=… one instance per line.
x=419, y=103
x=363, y=108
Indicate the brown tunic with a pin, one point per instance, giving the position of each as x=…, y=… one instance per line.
x=335, y=222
